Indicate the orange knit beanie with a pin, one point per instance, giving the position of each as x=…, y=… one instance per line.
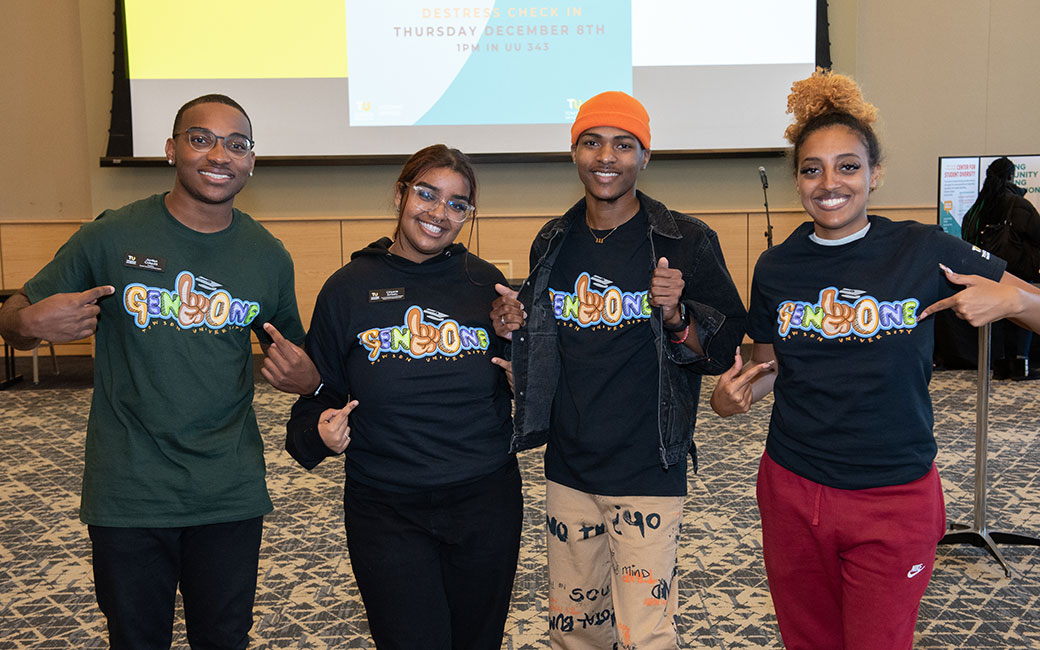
x=613, y=108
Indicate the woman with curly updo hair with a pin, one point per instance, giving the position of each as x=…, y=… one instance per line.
x=848, y=493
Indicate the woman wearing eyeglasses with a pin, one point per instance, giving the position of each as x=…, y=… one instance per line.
x=414, y=401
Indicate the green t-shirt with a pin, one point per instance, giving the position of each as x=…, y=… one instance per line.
x=172, y=439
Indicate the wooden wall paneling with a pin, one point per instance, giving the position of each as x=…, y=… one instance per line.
x=506, y=242
x=319, y=247
x=732, y=230
x=317, y=251
x=784, y=223
x=82, y=347
x=358, y=233
x=26, y=248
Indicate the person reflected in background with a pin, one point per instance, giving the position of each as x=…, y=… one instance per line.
x=173, y=484
x=414, y=400
x=849, y=496
x=630, y=304
x=1003, y=222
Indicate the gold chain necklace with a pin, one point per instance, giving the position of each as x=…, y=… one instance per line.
x=599, y=240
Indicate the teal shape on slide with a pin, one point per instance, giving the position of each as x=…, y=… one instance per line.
x=536, y=77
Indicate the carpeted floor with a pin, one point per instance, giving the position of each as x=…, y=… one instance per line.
x=307, y=598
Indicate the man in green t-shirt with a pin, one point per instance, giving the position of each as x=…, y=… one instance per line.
x=172, y=285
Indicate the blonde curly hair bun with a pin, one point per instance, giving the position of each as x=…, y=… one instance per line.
x=826, y=92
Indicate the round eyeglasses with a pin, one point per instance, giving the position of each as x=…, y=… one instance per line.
x=458, y=210
x=203, y=140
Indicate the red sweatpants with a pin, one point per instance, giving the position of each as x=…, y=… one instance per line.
x=847, y=568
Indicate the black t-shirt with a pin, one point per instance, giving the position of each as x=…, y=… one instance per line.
x=852, y=408
x=604, y=436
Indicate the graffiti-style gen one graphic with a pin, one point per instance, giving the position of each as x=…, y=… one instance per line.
x=188, y=307
x=835, y=318
x=418, y=338
x=588, y=307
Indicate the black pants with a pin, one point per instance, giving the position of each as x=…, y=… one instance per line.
x=137, y=570
x=435, y=569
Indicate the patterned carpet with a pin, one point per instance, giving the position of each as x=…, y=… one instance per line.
x=307, y=597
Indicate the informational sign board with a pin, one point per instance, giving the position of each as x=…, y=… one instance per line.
x=961, y=178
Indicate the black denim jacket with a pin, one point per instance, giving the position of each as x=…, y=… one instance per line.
x=711, y=300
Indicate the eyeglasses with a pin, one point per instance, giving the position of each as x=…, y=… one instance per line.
x=458, y=210
x=203, y=140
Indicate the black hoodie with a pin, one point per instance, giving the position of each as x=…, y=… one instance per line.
x=412, y=342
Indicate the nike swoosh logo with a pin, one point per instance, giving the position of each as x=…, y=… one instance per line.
x=914, y=570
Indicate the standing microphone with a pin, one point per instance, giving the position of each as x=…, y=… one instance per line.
x=769, y=226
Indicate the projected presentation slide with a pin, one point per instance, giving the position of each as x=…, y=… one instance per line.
x=961, y=179
x=359, y=77
x=482, y=65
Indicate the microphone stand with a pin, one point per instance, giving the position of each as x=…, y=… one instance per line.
x=769, y=226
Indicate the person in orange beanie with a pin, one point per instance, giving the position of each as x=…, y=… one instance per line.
x=627, y=305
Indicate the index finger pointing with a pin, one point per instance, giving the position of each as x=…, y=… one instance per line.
x=92, y=295
x=753, y=372
x=945, y=303
x=957, y=278
x=273, y=332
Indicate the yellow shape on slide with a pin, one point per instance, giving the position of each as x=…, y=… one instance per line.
x=236, y=39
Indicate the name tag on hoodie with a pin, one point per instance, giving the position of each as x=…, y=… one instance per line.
x=385, y=295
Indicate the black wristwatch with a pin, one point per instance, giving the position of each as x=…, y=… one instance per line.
x=684, y=323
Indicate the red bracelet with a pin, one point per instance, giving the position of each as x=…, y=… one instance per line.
x=685, y=333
